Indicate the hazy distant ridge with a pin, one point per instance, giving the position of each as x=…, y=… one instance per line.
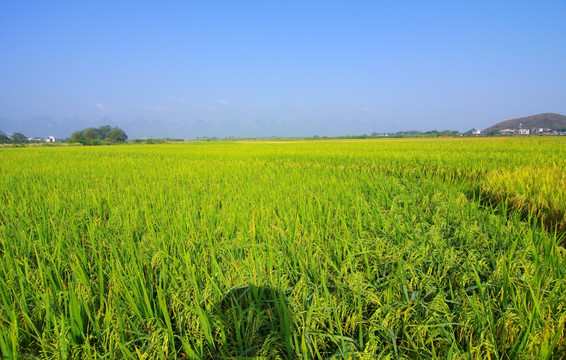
x=546, y=120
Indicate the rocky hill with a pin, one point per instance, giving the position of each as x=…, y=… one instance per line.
x=546, y=120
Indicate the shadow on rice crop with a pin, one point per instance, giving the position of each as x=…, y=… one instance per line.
x=550, y=219
x=252, y=321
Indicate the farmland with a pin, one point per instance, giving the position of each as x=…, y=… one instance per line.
x=418, y=249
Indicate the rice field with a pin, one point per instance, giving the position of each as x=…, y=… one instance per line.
x=389, y=249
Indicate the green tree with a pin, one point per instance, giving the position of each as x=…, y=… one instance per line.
x=103, y=131
x=90, y=134
x=116, y=135
x=18, y=138
x=98, y=136
x=77, y=137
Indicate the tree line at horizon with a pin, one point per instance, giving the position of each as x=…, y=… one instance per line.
x=99, y=136
x=103, y=135
x=15, y=138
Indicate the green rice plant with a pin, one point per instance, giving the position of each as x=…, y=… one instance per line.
x=298, y=249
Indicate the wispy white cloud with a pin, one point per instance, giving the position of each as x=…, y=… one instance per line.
x=367, y=109
x=225, y=103
x=100, y=106
x=207, y=108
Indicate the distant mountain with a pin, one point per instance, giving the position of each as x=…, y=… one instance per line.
x=547, y=120
x=3, y=133
x=42, y=126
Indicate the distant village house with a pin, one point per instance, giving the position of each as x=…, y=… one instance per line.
x=514, y=132
x=49, y=139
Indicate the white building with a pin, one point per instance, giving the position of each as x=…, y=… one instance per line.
x=514, y=132
x=507, y=132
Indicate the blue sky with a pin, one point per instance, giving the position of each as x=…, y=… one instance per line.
x=263, y=68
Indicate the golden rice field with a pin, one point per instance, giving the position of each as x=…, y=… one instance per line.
x=389, y=249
